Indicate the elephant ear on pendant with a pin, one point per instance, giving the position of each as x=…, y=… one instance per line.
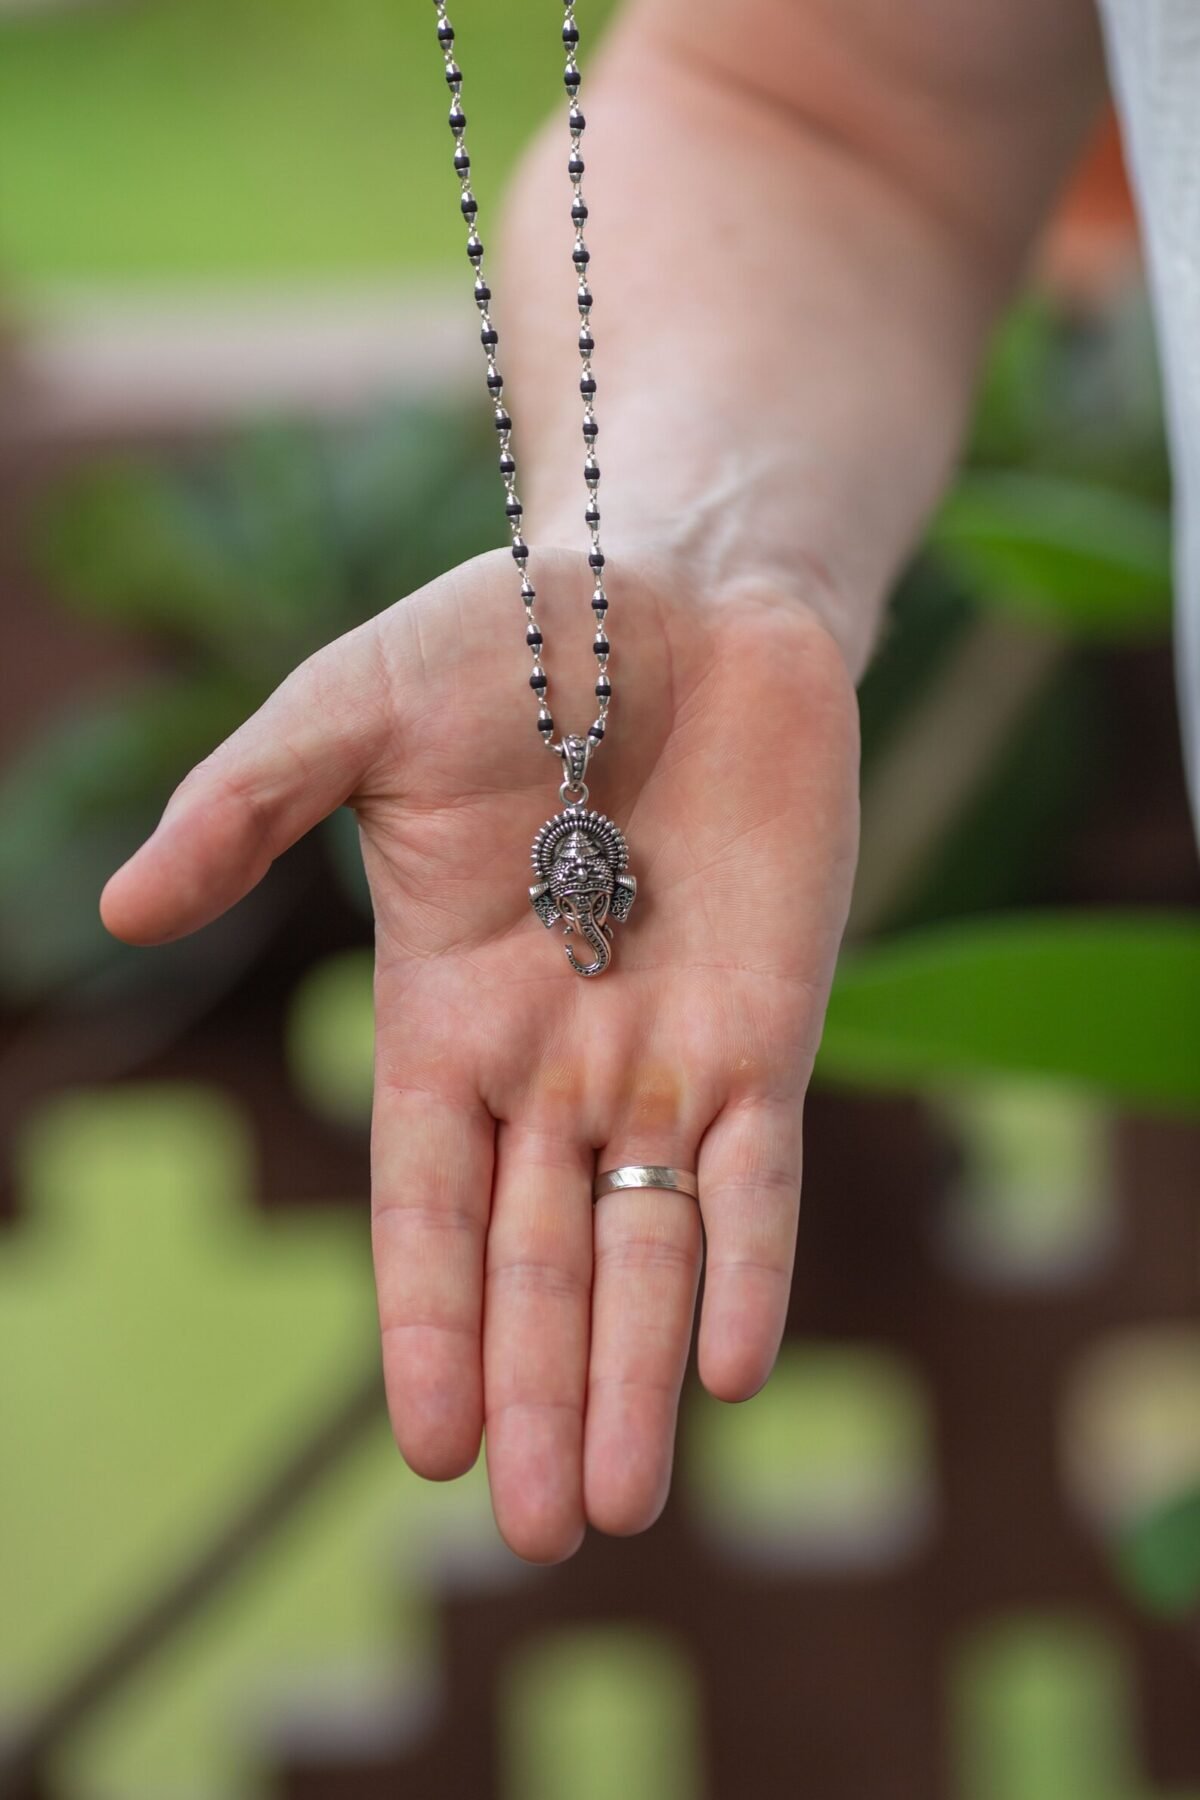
x=581, y=863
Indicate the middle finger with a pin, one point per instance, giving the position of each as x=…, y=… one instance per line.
x=535, y=1338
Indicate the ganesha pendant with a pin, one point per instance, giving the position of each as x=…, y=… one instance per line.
x=580, y=860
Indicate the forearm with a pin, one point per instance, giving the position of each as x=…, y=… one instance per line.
x=787, y=327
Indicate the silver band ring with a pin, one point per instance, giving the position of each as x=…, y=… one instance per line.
x=639, y=1175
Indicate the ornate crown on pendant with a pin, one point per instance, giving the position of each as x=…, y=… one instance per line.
x=581, y=852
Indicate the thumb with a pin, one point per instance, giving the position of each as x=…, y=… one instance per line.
x=298, y=758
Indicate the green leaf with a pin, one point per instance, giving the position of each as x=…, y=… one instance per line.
x=1160, y=1555
x=1088, y=559
x=1107, y=1001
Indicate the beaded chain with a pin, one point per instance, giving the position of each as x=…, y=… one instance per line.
x=490, y=339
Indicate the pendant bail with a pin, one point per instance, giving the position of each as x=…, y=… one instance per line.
x=574, y=751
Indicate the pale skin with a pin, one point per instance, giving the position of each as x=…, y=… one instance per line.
x=804, y=215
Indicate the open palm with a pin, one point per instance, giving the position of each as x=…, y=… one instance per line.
x=503, y=1081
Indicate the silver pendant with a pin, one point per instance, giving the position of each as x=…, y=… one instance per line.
x=580, y=860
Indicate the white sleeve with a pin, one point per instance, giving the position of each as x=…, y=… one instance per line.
x=1154, y=60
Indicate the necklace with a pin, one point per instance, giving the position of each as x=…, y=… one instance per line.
x=580, y=858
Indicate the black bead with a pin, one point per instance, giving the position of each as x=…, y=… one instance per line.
x=520, y=550
x=579, y=212
x=587, y=385
x=489, y=335
x=591, y=431
x=576, y=167
x=546, y=726
x=501, y=421
x=603, y=688
x=571, y=79
x=600, y=604
x=483, y=293
x=462, y=162
x=592, y=515
x=583, y=298
x=587, y=342
x=570, y=33
x=468, y=206
x=495, y=380
x=581, y=256
x=601, y=645
x=596, y=731
x=508, y=464
x=453, y=75
x=513, y=509
x=595, y=559
x=475, y=249
x=591, y=469
x=445, y=32
x=537, y=683
x=533, y=638
x=458, y=119
x=527, y=593
x=575, y=119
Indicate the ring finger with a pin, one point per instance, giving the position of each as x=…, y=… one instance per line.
x=647, y=1246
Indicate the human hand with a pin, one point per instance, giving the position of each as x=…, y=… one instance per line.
x=503, y=1081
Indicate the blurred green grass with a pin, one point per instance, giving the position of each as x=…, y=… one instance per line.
x=268, y=139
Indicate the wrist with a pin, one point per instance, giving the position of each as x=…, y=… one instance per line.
x=803, y=582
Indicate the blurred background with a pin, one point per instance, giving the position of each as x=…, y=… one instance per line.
x=953, y=1551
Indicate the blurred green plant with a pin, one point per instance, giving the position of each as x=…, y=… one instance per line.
x=1057, y=531
x=236, y=563
x=1063, y=552
x=251, y=555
